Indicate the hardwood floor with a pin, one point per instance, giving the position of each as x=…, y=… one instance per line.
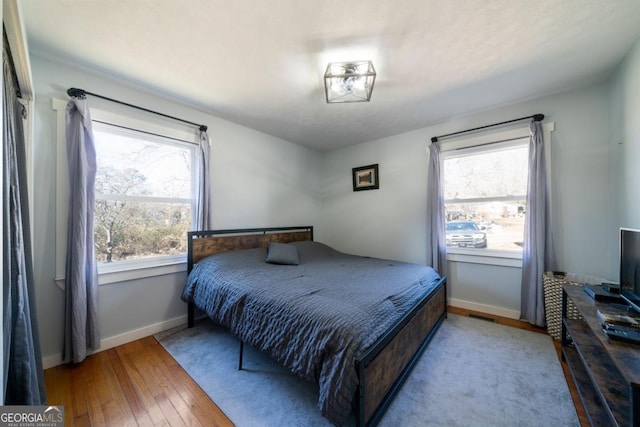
x=139, y=383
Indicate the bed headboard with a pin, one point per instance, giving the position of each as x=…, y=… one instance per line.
x=204, y=243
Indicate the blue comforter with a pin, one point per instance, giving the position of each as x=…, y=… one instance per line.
x=315, y=318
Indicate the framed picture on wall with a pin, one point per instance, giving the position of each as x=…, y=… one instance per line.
x=366, y=178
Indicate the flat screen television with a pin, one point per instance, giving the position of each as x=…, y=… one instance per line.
x=630, y=267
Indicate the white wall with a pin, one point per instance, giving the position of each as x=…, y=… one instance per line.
x=390, y=222
x=625, y=139
x=257, y=180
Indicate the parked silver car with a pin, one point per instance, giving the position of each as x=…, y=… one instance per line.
x=465, y=234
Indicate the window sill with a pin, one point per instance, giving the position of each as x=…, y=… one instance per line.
x=139, y=269
x=485, y=256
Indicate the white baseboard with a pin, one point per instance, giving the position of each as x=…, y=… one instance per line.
x=488, y=309
x=107, y=343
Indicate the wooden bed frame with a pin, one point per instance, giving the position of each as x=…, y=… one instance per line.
x=386, y=364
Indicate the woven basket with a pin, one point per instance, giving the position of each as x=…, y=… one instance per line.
x=553, y=282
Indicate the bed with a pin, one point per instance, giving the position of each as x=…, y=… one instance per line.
x=354, y=325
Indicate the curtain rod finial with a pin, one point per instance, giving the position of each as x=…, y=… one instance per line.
x=76, y=93
x=203, y=128
x=538, y=117
x=434, y=139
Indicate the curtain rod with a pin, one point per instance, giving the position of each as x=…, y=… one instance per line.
x=80, y=93
x=535, y=117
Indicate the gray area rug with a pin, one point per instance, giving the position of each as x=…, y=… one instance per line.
x=474, y=373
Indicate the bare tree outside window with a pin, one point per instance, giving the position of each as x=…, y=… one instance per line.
x=143, y=195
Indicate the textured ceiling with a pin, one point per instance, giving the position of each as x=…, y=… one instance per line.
x=260, y=63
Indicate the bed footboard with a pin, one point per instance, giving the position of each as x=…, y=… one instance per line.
x=383, y=369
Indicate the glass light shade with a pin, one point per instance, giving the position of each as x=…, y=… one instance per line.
x=349, y=81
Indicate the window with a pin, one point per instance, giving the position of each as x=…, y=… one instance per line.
x=145, y=193
x=485, y=190
x=144, y=196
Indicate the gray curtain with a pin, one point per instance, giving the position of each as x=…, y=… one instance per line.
x=538, y=254
x=81, y=334
x=435, y=211
x=203, y=202
x=23, y=374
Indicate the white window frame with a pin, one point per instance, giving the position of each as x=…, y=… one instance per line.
x=118, y=271
x=504, y=138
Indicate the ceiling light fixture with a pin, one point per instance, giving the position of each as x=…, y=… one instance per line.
x=349, y=81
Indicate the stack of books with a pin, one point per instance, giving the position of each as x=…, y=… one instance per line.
x=620, y=325
x=618, y=317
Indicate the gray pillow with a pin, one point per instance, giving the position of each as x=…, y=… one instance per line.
x=282, y=253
